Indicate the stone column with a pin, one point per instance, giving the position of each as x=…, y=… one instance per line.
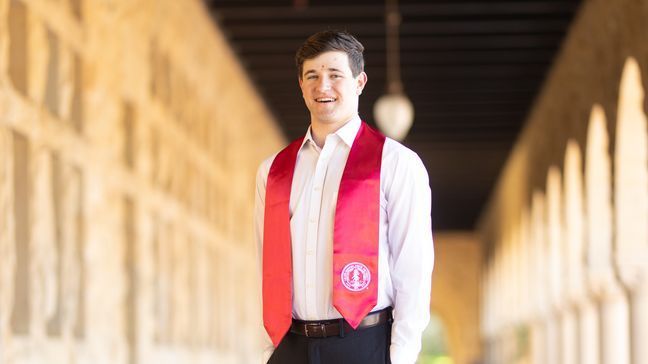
x=639, y=330
x=631, y=200
x=524, y=265
x=615, y=314
x=575, y=291
x=7, y=243
x=614, y=309
x=539, y=336
x=72, y=252
x=580, y=321
x=509, y=309
x=526, y=287
x=568, y=335
x=538, y=343
x=44, y=264
x=589, y=343
x=555, y=266
x=487, y=313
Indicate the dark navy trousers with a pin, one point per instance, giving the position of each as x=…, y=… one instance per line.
x=364, y=346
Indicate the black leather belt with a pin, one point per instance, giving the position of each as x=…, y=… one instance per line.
x=338, y=327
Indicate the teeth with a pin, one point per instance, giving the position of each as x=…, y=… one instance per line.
x=325, y=99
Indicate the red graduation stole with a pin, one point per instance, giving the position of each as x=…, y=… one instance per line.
x=355, y=237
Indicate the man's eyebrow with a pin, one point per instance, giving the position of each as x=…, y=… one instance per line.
x=332, y=69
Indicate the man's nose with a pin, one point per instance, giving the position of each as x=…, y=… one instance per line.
x=323, y=84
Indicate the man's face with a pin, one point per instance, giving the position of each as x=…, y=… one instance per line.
x=329, y=89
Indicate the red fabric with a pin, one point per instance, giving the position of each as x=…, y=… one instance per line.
x=277, y=257
x=355, y=235
x=357, y=214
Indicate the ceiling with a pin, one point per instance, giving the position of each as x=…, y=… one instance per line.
x=471, y=69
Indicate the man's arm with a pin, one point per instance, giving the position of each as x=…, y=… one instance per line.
x=259, y=212
x=411, y=254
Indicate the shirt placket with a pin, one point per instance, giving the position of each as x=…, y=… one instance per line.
x=313, y=227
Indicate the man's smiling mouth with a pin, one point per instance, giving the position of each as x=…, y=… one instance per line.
x=325, y=99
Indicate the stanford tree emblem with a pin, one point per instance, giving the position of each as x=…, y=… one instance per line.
x=355, y=276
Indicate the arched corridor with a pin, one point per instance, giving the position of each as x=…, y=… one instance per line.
x=128, y=152
x=588, y=211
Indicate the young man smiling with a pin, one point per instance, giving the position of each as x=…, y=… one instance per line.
x=343, y=226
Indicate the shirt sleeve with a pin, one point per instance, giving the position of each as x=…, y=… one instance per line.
x=259, y=212
x=411, y=254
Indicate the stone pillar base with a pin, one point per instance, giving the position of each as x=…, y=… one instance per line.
x=615, y=319
x=538, y=343
x=589, y=333
x=639, y=324
x=569, y=337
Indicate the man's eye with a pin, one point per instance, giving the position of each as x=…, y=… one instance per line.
x=311, y=77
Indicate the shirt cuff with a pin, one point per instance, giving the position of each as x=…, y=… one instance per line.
x=400, y=355
x=267, y=353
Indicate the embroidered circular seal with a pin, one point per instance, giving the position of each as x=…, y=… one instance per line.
x=355, y=276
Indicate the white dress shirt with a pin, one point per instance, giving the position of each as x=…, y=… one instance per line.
x=405, y=256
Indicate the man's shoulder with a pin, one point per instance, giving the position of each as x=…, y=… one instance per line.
x=401, y=166
x=396, y=153
x=264, y=167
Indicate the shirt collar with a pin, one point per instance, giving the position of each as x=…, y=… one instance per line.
x=347, y=132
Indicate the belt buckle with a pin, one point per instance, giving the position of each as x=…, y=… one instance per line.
x=321, y=325
x=306, y=330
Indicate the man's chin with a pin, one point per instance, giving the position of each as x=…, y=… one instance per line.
x=327, y=121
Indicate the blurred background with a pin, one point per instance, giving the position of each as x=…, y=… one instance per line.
x=130, y=134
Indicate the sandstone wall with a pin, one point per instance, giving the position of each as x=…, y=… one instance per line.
x=129, y=140
x=565, y=277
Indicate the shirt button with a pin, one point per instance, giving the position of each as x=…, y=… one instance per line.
x=312, y=220
x=317, y=188
x=309, y=251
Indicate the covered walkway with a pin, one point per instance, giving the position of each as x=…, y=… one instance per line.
x=130, y=133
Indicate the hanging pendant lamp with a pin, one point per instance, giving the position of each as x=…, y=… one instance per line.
x=394, y=112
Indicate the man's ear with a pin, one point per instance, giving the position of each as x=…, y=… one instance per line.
x=361, y=82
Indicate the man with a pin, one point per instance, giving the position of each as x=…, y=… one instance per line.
x=343, y=226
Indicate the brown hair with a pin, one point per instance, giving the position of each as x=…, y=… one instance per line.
x=331, y=40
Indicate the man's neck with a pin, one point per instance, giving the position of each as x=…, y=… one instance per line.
x=319, y=131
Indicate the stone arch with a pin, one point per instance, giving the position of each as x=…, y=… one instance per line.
x=631, y=202
x=452, y=329
x=631, y=177
x=455, y=293
x=436, y=338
